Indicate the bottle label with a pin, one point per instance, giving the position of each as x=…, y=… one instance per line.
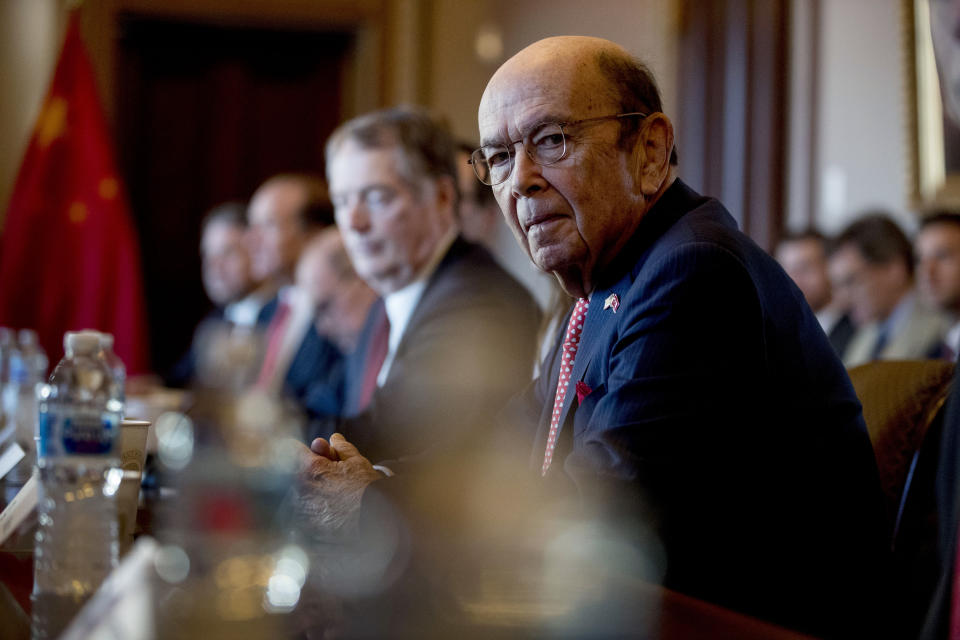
x=63, y=433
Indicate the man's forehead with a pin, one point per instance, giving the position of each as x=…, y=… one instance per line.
x=560, y=72
x=515, y=107
x=379, y=164
x=805, y=246
x=940, y=230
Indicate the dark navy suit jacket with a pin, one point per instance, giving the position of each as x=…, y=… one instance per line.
x=717, y=430
x=315, y=376
x=183, y=371
x=948, y=518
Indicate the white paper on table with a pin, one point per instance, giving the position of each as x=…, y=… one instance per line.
x=122, y=608
x=10, y=457
x=8, y=431
x=19, y=508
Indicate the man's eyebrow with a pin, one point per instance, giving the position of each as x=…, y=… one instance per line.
x=528, y=127
x=484, y=142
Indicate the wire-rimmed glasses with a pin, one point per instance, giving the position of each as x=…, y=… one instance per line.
x=545, y=144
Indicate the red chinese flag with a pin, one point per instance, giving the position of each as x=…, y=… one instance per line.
x=69, y=257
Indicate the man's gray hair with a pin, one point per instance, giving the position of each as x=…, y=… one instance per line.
x=424, y=141
x=634, y=88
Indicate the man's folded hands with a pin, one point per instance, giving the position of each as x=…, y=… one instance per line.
x=331, y=480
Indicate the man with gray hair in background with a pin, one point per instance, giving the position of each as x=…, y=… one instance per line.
x=452, y=335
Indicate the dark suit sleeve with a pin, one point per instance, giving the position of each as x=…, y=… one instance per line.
x=948, y=501
x=454, y=370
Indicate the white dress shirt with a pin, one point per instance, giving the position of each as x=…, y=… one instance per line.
x=244, y=312
x=401, y=303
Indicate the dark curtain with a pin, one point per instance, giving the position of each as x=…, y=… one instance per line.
x=732, y=107
x=205, y=113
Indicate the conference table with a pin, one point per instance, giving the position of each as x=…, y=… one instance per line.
x=507, y=612
x=503, y=602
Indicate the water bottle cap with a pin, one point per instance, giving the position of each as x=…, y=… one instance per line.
x=6, y=335
x=106, y=340
x=27, y=337
x=85, y=342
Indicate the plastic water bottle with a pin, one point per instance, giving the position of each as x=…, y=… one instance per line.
x=34, y=357
x=6, y=345
x=10, y=391
x=27, y=369
x=116, y=365
x=78, y=466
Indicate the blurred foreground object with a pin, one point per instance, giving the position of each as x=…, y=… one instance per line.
x=69, y=256
x=226, y=566
x=25, y=365
x=78, y=464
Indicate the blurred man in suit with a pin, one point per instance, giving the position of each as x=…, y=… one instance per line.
x=803, y=256
x=341, y=298
x=937, y=247
x=692, y=421
x=453, y=334
x=872, y=263
x=284, y=213
x=341, y=301
x=227, y=281
x=225, y=261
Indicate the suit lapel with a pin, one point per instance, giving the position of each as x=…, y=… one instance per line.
x=358, y=359
x=617, y=279
x=427, y=302
x=598, y=324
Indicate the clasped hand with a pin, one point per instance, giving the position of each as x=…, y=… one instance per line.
x=332, y=478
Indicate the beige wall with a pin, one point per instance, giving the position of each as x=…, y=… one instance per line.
x=30, y=34
x=849, y=145
x=647, y=28
x=458, y=75
x=861, y=155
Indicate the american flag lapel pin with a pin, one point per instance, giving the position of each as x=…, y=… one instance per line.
x=612, y=302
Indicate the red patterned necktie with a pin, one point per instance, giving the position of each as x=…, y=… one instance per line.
x=376, y=354
x=275, y=331
x=571, y=342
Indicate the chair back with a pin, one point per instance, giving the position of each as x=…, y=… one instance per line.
x=903, y=406
x=901, y=399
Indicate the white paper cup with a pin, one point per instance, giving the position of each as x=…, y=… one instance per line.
x=133, y=455
x=151, y=405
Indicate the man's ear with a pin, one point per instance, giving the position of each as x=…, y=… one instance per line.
x=446, y=194
x=653, y=148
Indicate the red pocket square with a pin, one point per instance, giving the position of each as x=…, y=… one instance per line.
x=583, y=390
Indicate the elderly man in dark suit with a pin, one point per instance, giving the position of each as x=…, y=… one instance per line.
x=453, y=335
x=694, y=410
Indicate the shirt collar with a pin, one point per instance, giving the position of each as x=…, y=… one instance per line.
x=953, y=337
x=401, y=304
x=899, y=316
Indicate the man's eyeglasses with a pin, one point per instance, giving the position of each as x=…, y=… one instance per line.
x=546, y=144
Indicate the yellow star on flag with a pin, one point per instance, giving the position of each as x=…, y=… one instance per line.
x=77, y=212
x=108, y=188
x=53, y=122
